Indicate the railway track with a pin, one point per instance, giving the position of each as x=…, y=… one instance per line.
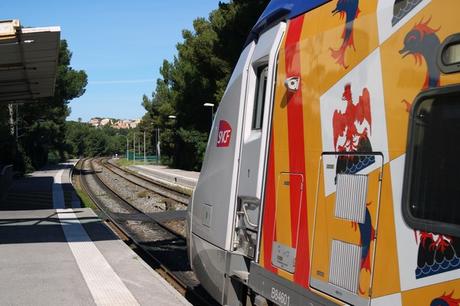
x=164, y=210
x=169, y=191
x=159, y=244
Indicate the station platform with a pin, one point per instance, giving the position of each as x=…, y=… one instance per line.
x=55, y=253
x=174, y=176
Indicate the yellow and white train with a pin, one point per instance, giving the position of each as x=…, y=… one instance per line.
x=331, y=173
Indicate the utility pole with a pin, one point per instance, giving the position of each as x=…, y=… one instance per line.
x=158, y=147
x=17, y=122
x=145, y=157
x=127, y=148
x=139, y=147
x=134, y=147
x=11, y=111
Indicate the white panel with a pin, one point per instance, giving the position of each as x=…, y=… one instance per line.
x=393, y=300
x=345, y=265
x=406, y=238
x=350, y=201
x=367, y=75
x=283, y=257
x=217, y=182
x=389, y=22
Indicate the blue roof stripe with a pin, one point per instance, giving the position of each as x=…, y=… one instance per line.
x=283, y=9
x=296, y=7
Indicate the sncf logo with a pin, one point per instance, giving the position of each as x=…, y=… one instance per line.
x=224, y=135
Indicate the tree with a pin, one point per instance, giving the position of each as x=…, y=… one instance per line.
x=198, y=74
x=82, y=139
x=42, y=124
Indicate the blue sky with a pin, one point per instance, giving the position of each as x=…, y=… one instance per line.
x=120, y=44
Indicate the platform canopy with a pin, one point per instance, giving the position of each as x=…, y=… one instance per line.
x=28, y=62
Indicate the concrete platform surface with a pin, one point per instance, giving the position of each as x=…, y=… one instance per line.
x=177, y=176
x=55, y=253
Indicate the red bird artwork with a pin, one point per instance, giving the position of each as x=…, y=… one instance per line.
x=345, y=124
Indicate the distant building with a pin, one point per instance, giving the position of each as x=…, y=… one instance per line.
x=95, y=121
x=105, y=122
x=115, y=123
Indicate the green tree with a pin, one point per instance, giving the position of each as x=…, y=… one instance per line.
x=82, y=139
x=42, y=124
x=198, y=74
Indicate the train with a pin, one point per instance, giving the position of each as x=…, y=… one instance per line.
x=330, y=175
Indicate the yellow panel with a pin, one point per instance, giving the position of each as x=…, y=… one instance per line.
x=320, y=262
x=427, y=295
x=328, y=33
x=386, y=271
x=404, y=78
x=328, y=228
x=283, y=211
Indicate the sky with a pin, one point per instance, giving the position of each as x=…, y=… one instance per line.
x=120, y=44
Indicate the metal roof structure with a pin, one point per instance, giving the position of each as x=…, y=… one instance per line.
x=28, y=62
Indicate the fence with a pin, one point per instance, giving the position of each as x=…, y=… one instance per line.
x=149, y=159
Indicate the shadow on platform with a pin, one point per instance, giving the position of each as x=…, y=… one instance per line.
x=27, y=212
x=25, y=227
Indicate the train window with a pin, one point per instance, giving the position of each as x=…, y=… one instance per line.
x=449, y=54
x=261, y=89
x=431, y=192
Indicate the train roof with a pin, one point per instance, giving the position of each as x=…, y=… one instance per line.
x=281, y=10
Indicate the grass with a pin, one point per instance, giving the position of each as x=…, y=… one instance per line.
x=142, y=194
x=85, y=199
x=123, y=162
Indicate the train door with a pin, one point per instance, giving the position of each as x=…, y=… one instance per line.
x=259, y=96
x=346, y=218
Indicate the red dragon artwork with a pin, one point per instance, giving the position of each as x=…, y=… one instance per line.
x=446, y=300
x=436, y=253
x=350, y=10
x=423, y=43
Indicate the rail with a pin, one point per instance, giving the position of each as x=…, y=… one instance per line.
x=114, y=222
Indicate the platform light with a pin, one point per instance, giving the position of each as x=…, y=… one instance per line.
x=212, y=110
x=172, y=117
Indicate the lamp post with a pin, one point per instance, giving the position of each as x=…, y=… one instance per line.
x=134, y=147
x=173, y=117
x=145, y=157
x=127, y=147
x=158, y=147
x=211, y=105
